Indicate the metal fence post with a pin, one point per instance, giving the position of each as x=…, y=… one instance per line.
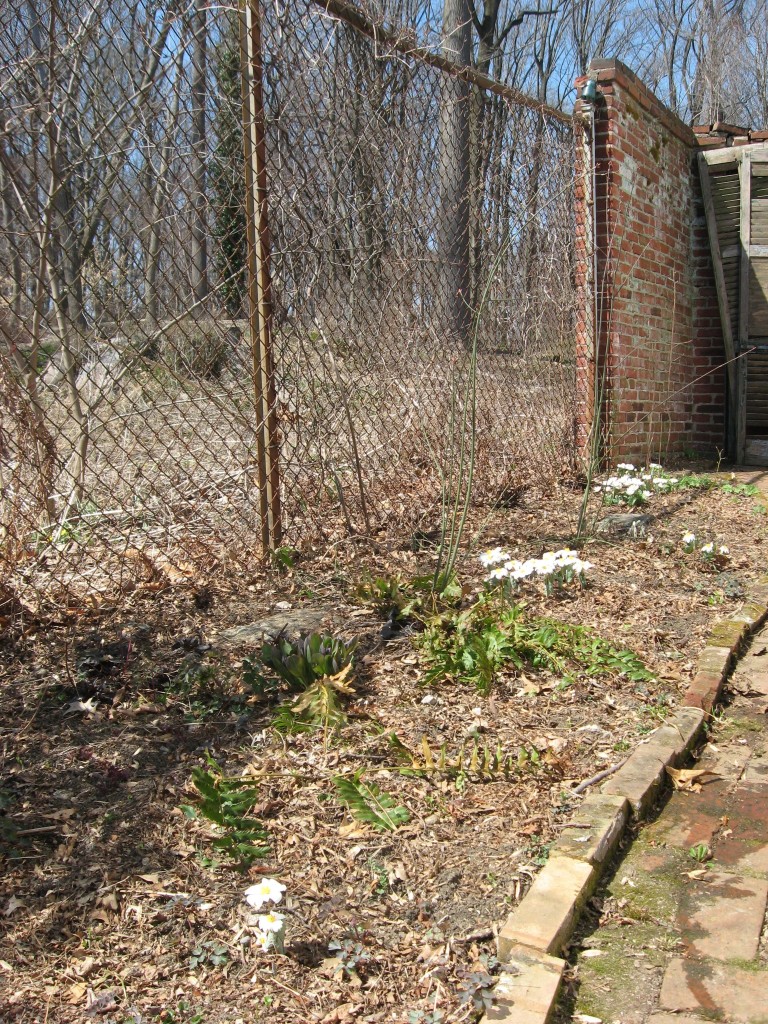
x=259, y=280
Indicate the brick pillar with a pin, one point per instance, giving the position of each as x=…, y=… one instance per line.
x=653, y=300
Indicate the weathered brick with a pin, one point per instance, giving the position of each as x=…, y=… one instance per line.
x=659, y=297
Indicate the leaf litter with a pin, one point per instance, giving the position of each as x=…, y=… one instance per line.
x=124, y=910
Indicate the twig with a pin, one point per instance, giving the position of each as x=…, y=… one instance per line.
x=598, y=778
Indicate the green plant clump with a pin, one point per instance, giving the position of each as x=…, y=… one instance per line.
x=403, y=601
x=476, y=644
x=299, y=665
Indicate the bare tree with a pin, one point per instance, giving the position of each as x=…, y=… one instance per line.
x=453, y=237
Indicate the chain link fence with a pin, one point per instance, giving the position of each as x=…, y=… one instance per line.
x=420, y=238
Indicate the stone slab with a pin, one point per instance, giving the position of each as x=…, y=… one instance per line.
x=721, y=916
x=715, y=989
x=743, y=856
x=643, y=776
x=599, y=825
x=714, y=659
x=704, y=691
x=728, y=633
x=527, y=992
x=547, y=915
x=294, y=621
x=687, y=819
x=673, y=1018
x=756, y=771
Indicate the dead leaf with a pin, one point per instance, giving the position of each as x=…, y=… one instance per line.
x=689, y=778
x=13, y=905
x=76, y=993
x=84, y=968
x=87, y=706
x=100, y=1004
x=352, y=830
x=341, y=1013
x=331, y=967
x=63, y=815
x=109, y=901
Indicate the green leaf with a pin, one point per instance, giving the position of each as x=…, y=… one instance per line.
x=370, y=804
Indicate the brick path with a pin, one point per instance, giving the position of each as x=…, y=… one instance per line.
x=682, y=936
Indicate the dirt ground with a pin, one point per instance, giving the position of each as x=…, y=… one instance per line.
x=114, y=904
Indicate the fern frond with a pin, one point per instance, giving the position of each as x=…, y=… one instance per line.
x=368, y=803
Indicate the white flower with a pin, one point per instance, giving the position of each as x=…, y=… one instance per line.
x=265, y=891
x=626, y=465
x=646, y=494
x=271, y=923
x=498, y=573
x=689, y=538
x=261, y=940
x=707, y=549
x=493, y=556
x=723, y=550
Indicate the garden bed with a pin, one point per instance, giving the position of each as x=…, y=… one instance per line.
x=118, y=907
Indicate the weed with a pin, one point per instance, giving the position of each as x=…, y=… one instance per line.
x=181, y=1014
x=353, y=957
x=538, y=851
x=402, y=601
x=208, y=954
x=475, y=988
x=201, y=690
x=740, y=490
x=381, y=875
x=284, y=558
x=226, y=802
x=474, y=645
x=700, y=852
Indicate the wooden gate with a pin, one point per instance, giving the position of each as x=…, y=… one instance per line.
x=734, y=184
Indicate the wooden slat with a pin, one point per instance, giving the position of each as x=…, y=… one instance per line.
x=758, y=297
x=720, y=283
x=720, y=157
x=745, y=176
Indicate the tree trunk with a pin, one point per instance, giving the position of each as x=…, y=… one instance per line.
x=199, y=254
x=454, y=171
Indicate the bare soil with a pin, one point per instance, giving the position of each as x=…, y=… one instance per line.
x=114, y=905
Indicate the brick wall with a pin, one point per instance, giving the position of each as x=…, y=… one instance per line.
x=658, y=349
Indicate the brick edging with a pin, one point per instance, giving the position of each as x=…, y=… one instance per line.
x=534, y=935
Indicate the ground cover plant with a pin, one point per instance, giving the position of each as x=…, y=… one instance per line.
x=324, y=816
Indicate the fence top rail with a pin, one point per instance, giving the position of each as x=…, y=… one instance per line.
x=343, y=10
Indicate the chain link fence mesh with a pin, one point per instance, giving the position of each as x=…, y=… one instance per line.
x=421, y=232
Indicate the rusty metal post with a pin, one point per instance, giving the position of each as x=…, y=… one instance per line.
x=259, y=280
